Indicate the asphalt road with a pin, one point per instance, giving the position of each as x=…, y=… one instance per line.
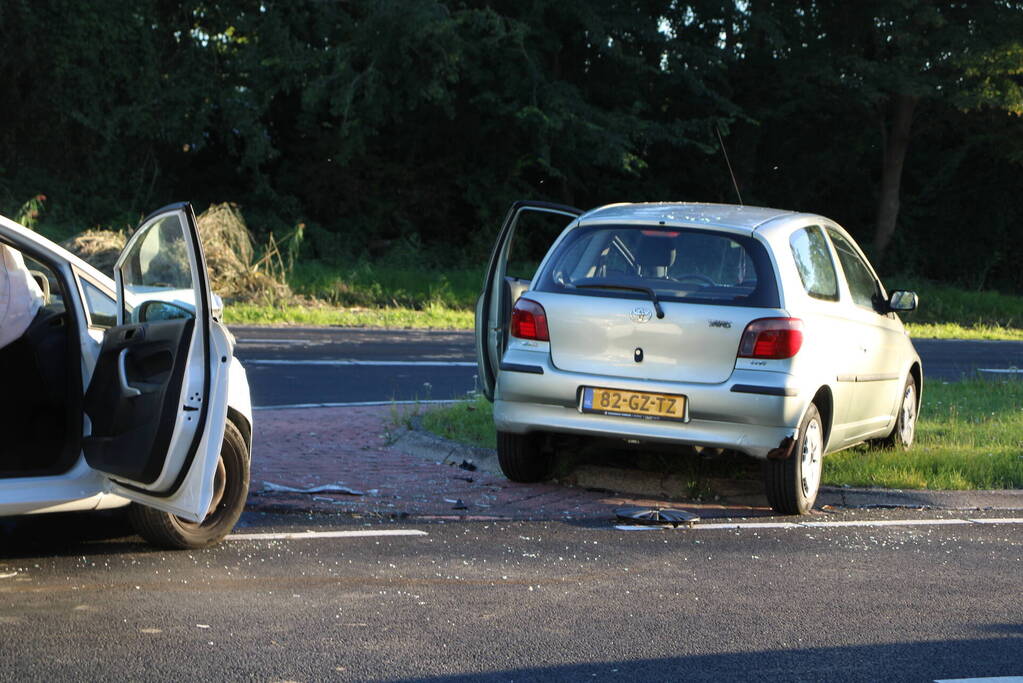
x=294, y=366
x=503, y=601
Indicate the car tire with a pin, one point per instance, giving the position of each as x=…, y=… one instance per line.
x=904, y=431
x=521, y=457
x=792, y=484
x=231, y=489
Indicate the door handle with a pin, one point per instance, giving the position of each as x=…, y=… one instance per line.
x=127, y=390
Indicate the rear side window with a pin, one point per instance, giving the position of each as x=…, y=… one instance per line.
x=691, y=265
x=865, y=290
x=813, y=261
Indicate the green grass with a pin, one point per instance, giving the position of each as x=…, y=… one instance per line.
x=941, y=303
x=970, y=436
x=432, y=317
x=388, y=286
x=470, y=421
x=957, y=331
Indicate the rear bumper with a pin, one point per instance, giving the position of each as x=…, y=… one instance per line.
x=752, y=412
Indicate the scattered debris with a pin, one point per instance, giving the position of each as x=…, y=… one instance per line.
x=336, y=487
x=457, y=503
x=656, y=516
x=468, y=479
x=467, y=466
x=8, y=575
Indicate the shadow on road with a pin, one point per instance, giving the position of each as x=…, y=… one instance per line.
x=917, y=661
x=106, y=532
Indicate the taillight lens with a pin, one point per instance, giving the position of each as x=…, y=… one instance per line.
x=529, y=321
x=772, y=338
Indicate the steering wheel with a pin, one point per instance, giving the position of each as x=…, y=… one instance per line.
x=697, y=277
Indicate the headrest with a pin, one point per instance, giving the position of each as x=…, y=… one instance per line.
x=655, y=252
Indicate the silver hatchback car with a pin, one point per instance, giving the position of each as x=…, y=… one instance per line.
x=755, y=330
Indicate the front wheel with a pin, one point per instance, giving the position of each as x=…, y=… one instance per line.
x=230, y=489
x=792, y=484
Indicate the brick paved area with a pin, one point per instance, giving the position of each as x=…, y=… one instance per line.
x=313, y=447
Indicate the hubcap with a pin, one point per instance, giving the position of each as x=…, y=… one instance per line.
x=907, y=422
x=810, y=459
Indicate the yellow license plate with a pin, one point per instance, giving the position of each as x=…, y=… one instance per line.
x=633, y=404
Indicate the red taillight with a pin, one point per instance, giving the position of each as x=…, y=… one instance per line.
x=772, y=338
x=529, y=321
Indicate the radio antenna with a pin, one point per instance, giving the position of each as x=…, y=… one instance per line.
x=724, y=151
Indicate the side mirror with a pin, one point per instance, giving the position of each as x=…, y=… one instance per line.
x=902, y=300
x=162, y=310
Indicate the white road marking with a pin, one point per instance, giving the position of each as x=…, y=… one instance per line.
x=368, y=363
x=999, y=520
x=887, y=522
x=278, y=341
x=711, y=526
x=302, y=535
x=747, y=525
x=995, y=679
x=353, y=404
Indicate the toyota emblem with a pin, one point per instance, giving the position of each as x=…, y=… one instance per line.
x=641, y=315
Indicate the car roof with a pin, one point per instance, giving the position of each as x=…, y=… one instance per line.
x=743, y=218
x=22, y=236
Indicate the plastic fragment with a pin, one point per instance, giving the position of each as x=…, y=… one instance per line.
x=659, y=516
x=336, y=487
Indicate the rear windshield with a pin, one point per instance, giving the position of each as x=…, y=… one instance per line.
x=690, y=265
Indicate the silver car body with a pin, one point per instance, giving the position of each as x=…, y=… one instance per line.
x=854, y=362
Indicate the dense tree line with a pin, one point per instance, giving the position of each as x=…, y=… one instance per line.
x=379, y=122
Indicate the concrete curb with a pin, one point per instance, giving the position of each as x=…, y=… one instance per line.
x=429, y=446
x=423, y=444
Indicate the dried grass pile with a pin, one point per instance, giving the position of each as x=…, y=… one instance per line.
x=235, y=272
x=99, y=248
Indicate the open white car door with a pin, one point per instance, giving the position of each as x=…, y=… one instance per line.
x=157, y=399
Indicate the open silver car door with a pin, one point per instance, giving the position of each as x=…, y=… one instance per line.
x=156, y=403
x=493, y=308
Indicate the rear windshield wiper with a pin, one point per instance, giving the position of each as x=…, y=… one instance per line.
x=631, y=288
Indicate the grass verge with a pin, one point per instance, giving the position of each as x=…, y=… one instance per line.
x=470, y=421
x=970, y=436
x=957, y=331
x=431, y=317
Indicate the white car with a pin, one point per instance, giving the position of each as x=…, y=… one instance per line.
x=127, y=390
x=754, y=330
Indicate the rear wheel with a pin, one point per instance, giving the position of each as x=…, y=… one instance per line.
x=904, y=430
x=230, y=489
x=521, y=457
x=792, y=484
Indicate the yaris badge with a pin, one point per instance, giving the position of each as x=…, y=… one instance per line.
x=641, y=315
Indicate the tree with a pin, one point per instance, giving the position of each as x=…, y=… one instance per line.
x=895, y=57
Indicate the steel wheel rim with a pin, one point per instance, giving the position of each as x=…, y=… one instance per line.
x=811, y=458
x=907, y=417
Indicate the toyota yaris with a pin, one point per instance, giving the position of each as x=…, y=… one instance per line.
x=124, y=391
x=754, y=330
